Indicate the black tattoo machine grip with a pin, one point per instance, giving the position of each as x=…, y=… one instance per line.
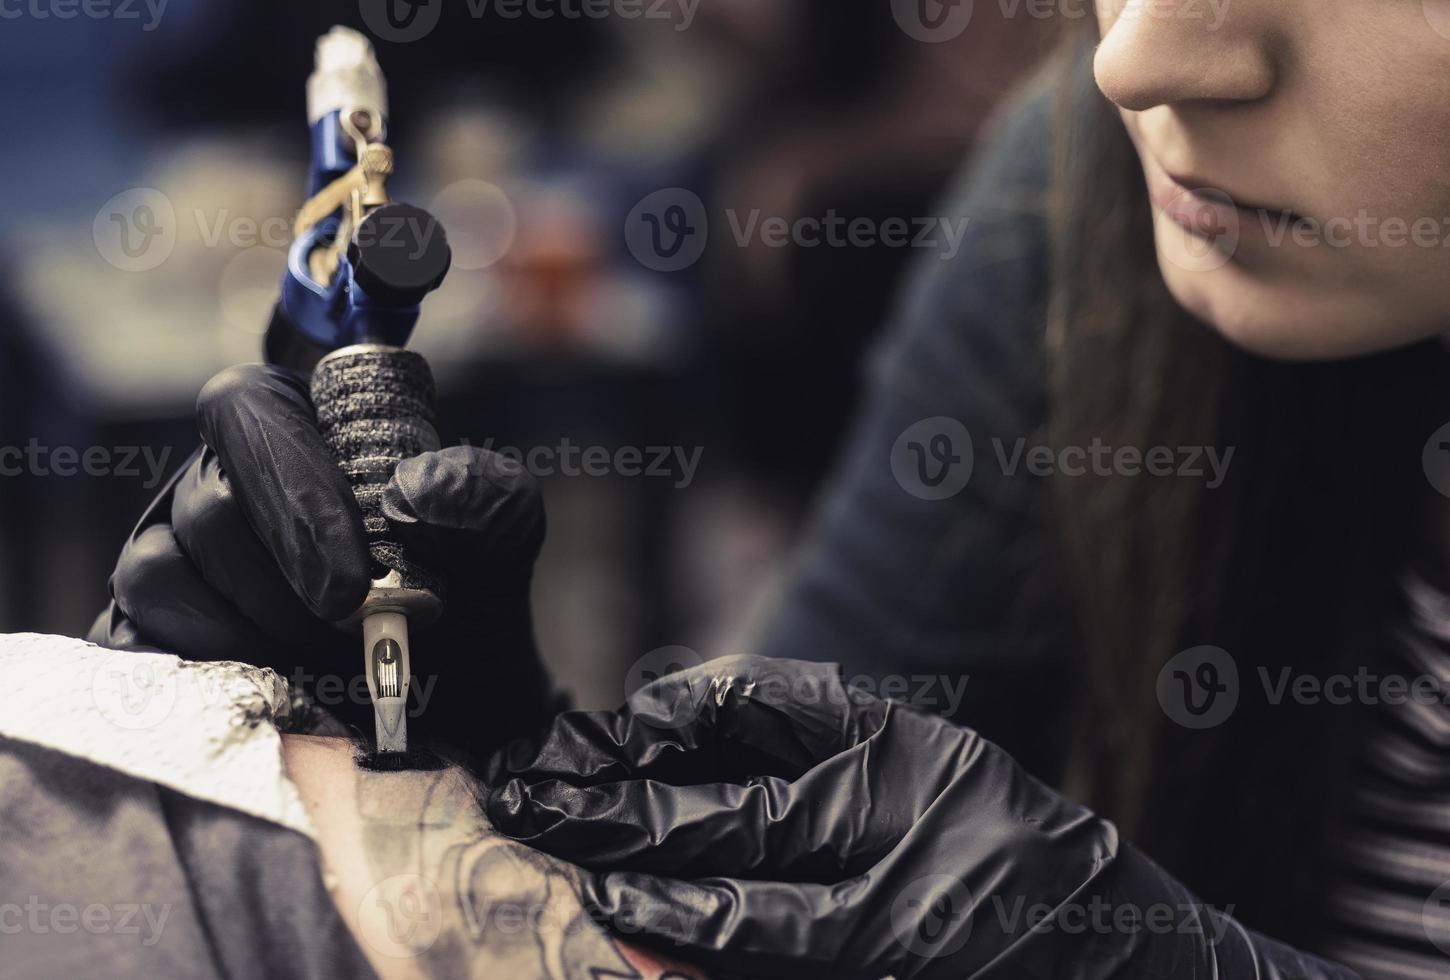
x=375, y=408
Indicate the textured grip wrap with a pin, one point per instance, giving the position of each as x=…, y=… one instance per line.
x=375, y=408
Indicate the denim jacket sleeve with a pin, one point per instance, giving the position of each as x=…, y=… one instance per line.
x=929, y=558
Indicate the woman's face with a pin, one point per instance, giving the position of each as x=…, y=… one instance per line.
x=1297, y=153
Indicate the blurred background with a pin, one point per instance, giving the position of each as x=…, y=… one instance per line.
x=156, y=153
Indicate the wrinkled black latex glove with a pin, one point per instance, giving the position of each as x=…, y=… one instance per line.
x=756, y=816
x=256, y=548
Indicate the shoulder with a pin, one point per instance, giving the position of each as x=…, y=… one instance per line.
x=981, y=305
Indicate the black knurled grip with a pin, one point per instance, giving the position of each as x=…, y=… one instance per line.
x=375, y=408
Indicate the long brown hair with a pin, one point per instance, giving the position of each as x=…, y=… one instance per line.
x=1291, y=562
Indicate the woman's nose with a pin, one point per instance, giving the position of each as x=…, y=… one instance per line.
x=1162, y=52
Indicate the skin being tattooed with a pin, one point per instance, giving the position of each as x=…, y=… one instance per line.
x=430, y=890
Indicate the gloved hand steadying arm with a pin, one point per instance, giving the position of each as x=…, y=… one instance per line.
x=256, y=547
x=758, y=816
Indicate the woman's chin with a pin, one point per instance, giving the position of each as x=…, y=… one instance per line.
x=1287, y=320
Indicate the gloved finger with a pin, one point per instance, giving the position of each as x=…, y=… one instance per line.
x=112, y=629
x=467, y=512
x=216, y=537
x=730, y=926
x=262, y=427
x=158, y=590
x=808, y=829
x=726, y=720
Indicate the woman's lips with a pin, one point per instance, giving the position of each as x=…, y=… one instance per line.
x=1205, y=211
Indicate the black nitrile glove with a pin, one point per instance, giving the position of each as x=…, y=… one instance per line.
x=256, y=547
x=757, y=816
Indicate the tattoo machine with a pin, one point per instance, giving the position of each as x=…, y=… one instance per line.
x=357, y=272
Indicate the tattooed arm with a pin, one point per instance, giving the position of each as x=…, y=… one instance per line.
x=430, y=890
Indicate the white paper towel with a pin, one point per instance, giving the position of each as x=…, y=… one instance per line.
x=208, y=730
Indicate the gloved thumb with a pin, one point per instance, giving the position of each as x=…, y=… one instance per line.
x=467, y=512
